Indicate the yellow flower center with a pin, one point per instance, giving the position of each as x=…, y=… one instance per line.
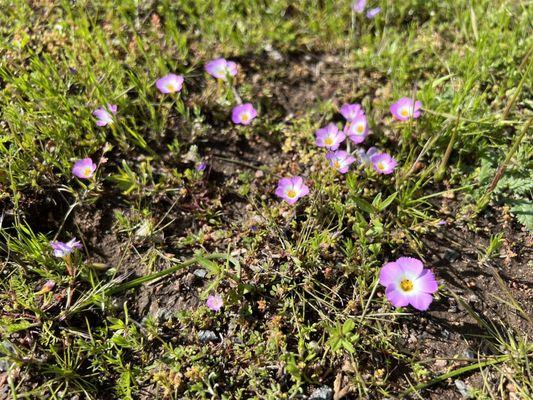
x=405, y=112
x=381, y=166
x=406, y=285
x=336, y=164
x=245, y=117
x=291, y=194
x=87, y=172
x=170, y=87
x=360, y=128
x=328, y=141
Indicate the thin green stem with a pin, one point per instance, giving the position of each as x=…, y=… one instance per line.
x=444, y=162
x=456, y=372
x=510, y=154
x=518, y=90
x=147, y=278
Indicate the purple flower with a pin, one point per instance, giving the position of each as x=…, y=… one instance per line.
x=408, y=282
x=359, y=6
x=64, y=249
x=220, y=68
x=383, y=163
x=405, y=108
x=340, y=160
x=201, y=166
x=243, y=114
x=357, y=129
x=329, y=137
x=47, y=287
x=351, y=111
x=365, y=157
x=104, y=116
x=373, y=12
x=291, y=189
x=84, y=169
x=170, y=83
x=214, y=302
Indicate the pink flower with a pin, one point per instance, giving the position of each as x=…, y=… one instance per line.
x=365, y=157
x=47, y=287
x=291, y=189
x=340, y=160
x=104, y=116
x=243, y=114
x=357, y=129
x=84, y=169
x=329, y=137
x=405, y=109
x=64, y=249
x=214, y=302
x=351, y=111
x=407, y=282
x=359, y=6
x=170, y=83
x=383, y=163
x=220, y=68
x=373, y=12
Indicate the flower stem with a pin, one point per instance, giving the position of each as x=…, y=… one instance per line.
x=510, y=154
x=444, y=162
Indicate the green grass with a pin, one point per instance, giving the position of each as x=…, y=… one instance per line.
x=303, y=307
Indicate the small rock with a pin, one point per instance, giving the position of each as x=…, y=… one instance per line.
x=322, y=393
x=207, y=336
x=163, y=314
x=451, y=255
x=472, y=298
x=200, y=272
x=273, y=53
x=8, y=347
x=412, y=339
x=463, y=389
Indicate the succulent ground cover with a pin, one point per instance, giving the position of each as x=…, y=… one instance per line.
x=265, y=200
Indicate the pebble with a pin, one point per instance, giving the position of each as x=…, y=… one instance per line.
x=5, y=364
x=451, y=255
x=322, y=393
x=200, y=273
x=463, y=389
x=207, y=336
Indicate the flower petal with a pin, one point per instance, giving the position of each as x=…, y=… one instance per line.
x=411, y=266
x=426, y=282
x=421, y=301
x=389, y=273
x=397, y=298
